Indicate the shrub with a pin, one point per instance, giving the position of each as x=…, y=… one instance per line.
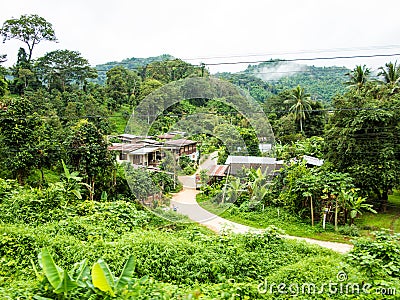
x=377, y=258
x=351, y=230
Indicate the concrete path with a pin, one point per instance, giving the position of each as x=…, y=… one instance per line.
x=186, y=204
x=189, y=181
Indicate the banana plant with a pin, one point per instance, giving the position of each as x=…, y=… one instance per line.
x=97, y=280
x=73, y=183
x=61, y=280
x=104, y=280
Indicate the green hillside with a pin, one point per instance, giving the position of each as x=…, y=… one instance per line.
x=263, y=80
x=129, y=63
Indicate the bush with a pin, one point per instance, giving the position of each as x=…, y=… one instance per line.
x=351, y=230
x=378, y=258
x=33, y=206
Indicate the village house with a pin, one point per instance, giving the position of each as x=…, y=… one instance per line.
x=267, y=165
x=147, y=152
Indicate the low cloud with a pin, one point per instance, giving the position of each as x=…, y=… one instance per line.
x=278, y=70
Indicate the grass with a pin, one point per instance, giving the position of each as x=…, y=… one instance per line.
x=293, y=225
x=119, y=118
x=369, y=222
x=290, y=223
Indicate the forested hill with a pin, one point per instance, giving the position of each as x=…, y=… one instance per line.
x=129, y=63
x=262, y=80
x=272, y=77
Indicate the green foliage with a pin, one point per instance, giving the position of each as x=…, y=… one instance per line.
x=72, y=69
x=349, y=230
x=129, y=64
x=99, y=281
x=20, y=132
x=3, y=87
x=313, y=146
x=22, y=205
x=378, y=258
x=140, y=182
x=300, y=105
x=264, y=80
x=122, y=87
x=30, y=29
x=87, y=152
x=360, y=139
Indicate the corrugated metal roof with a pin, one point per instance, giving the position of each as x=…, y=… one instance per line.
x=149, y=141
x=132, y=136
x=180, y=142
x=166, y=136
x=265, y=147
x=144, y=150
x=250, y=160
x=124, y=147
x=218, y=170
x=313, y=160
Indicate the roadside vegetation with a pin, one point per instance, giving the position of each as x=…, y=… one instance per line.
x=72, y=228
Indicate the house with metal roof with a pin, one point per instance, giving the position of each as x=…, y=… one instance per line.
x=182, y=147
x=131, y=138
x=313, y=161
x=266, y=164
x=145, y=156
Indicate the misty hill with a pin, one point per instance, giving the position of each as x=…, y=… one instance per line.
x=129, y=63
x=272, y=77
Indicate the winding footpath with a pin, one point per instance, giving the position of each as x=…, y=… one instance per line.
x=186, y=204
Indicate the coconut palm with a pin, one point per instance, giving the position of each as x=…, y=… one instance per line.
x=390, y=74
x=358, y=77
x=301, y=104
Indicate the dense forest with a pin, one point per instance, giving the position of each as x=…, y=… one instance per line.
x=266, y=79
x=73, y=228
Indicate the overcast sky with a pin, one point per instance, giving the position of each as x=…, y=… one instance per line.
x=228, y=30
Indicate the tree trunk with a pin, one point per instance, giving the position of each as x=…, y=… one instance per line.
x=42, y=175
x=312, y=211
x=20, y=177
x=336, y=215
x=384, y=200
x=301, y=125
x=92, y=189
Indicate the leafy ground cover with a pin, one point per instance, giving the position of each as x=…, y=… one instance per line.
x=171, y=260
x=293, y=225
x=388, y=220
x=279, y=217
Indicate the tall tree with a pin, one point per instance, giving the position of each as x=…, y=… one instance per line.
x=19, y=134
x=358, y=77
x=362, y=139
x=23, y=75
x=122, y=85
x=3, y=82
x=301, y=104
x=30, y=29
x=61, y=68
x=390, y=74
x=87, y=152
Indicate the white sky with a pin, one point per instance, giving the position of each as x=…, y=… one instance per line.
x=114, y=30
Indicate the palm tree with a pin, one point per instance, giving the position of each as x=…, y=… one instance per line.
x=391, y=74
x=358, y=77
x=301, y=104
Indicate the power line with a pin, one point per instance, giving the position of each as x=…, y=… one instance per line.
x=326, y=50
x=303, y=59
x=267, y=61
